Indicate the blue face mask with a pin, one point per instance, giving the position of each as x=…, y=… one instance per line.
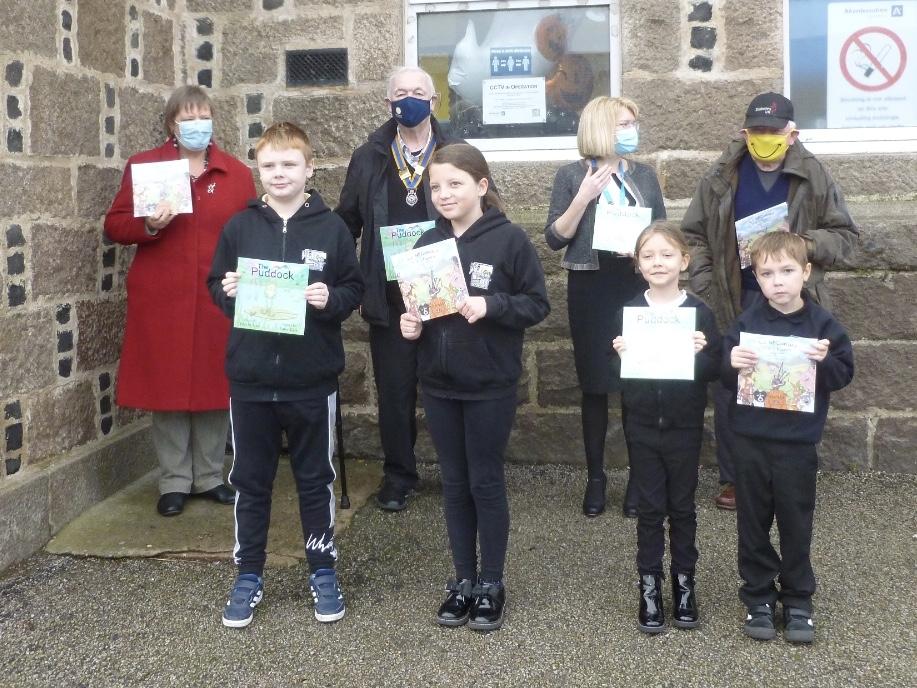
x=410, y=111
x=626, y=141
x=195, y=134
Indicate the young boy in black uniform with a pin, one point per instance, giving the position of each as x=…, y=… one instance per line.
x=777, y=463
x=282, y=382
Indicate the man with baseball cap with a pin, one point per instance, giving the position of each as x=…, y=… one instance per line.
x=760, y=169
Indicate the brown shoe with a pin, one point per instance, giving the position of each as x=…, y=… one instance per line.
x=726, y=499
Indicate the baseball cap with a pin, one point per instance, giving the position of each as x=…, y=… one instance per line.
x=770, y=110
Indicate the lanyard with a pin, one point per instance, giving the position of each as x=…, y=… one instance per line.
x=622, y=194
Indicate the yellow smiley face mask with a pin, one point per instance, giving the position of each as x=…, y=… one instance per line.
x=767, y=147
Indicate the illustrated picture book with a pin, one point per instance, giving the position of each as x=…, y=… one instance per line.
x=431, y=279
x=783, y=378
x=161, y=182
x=271, y=296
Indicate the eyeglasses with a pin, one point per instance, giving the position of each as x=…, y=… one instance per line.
x=632, y=124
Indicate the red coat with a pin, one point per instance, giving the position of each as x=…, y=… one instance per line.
x=175, y=339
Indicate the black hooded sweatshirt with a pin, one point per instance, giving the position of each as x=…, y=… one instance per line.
x=264, y=366
x=458, y=360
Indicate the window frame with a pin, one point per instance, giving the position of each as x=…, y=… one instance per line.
x=849, y=140
x=540, y=148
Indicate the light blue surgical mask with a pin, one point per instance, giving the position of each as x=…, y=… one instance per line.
x=195, y=134
x=626, y=141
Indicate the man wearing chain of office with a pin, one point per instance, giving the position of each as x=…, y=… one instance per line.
x=386, y=186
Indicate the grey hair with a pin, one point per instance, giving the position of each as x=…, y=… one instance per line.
x=398, y=71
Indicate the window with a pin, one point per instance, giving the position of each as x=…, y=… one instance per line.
x=514, y=76
x=852, y=73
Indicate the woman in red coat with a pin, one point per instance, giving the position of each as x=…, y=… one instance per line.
x=175, y=339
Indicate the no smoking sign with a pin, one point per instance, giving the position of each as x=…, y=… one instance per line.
x=873, y=58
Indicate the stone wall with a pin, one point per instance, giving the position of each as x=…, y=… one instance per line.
x=84, y=84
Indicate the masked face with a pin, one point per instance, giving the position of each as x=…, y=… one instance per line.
x=194, y=134
x=626, y=141
x=410, y=111
x=767, y=147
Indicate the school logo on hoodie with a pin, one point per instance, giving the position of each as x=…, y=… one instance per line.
x=480, y=274
x=314, y=260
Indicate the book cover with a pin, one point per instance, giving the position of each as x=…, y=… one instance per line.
x=784, y=377
x=660, y=343
x=431, y=279
x=773, y=219
x=161, y=182
x=399, y=238
x=617, y=227
x=271, y=296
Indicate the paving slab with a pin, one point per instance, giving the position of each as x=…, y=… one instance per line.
x=68, y=621
x=127, y=525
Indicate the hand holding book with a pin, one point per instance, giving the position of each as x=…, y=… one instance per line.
x=819, y=350
x=230, y=284
x=411, y=326
x=317, y=295
x=160, y=217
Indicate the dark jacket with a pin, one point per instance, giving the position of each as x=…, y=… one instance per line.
x=364, y=207
x=264, y=366
x=483, y=360
x=673, y=403
x=817, y=211
x=640, y=180
x=831, y=374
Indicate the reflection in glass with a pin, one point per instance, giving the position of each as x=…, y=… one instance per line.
x=515, y=73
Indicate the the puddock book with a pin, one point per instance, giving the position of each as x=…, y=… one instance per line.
x=271, y=296
x=784, y=377
x=161, y=182
x=660, y=343
x=431, y=279
x=773, y=219
x=399, y=238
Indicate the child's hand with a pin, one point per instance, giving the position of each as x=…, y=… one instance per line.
x=230, y=284
x=618, y=344
x=819, y=350
x=162, y=216
x=411, y=326
x=317, y=295
x=742, y=357
x=700, y=341
x=474, y=308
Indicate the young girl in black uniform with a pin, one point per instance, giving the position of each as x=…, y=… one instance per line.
x=663, y=428
x=469, y=365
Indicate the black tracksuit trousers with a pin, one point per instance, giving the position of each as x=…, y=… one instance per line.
x=256, y=437
x=664, y=464
x=775, y=479
x=470, y=437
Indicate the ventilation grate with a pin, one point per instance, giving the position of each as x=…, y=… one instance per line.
x=322, y=67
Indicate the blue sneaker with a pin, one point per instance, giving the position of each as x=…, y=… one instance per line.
x=327, y=595
x=245, y=595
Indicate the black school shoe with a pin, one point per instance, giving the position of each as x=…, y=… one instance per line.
x=759, y=622
x=798, y=626
x=487, y=608
x=456, y=608
x=392, y=497
x=651, y=617
x=684, y=601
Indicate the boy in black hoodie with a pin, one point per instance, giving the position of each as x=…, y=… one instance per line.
x=777, y=464
x=469, y=365
x=281, y=382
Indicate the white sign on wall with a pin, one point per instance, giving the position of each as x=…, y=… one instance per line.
x=514, y=101
x=872, y=64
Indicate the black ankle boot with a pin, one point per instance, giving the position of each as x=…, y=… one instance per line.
x=652, y=615
x=684, y=602
x=594, y=500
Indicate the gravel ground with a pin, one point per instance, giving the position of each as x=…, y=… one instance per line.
x=572, y=603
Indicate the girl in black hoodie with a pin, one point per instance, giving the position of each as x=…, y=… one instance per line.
x=469, y=365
